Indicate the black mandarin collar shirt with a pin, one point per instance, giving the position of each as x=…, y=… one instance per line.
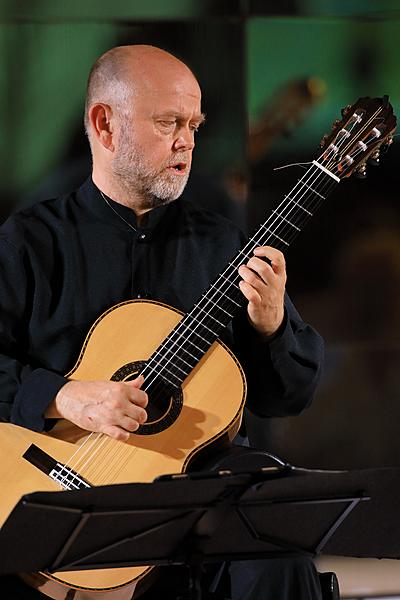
x=65, y=261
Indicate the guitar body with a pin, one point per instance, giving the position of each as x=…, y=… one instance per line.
x=207, y=408
x=124, y=336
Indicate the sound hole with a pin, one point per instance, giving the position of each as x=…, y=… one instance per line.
x=165, y=403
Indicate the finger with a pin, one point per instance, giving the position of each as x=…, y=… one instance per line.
x=249, y=292
x=276, y=258
x=135, y=412
x=137, y=396
x=263, y=269
x=129, y=423
x=252, y=278
x=137, y=382
x=116, y=433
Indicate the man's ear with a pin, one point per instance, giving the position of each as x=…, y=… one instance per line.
x=100, y=118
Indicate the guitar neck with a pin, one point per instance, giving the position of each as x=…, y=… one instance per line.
x=180, y=352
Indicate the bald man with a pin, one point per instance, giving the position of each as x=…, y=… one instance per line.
x=126, y=233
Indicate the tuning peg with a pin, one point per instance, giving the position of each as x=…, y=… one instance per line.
x=384, y=147
x=361, y=171
x=373, y=160
x=323, y=141
x=335, y=123
x=345, y=111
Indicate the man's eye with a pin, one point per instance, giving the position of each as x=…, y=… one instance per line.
x=167, y=123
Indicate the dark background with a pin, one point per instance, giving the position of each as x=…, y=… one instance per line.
x=284, y=72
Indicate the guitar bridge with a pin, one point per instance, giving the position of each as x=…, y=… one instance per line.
x=66, y=477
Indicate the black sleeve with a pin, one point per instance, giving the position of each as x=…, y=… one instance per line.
x=281, y=374
x=26, y=389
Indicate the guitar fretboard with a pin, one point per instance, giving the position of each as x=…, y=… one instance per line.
x=187, y=343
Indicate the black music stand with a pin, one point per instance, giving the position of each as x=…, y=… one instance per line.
x=202, y=517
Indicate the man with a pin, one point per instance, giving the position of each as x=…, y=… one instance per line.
x=124, y=234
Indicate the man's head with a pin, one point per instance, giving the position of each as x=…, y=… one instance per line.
x=142, y=111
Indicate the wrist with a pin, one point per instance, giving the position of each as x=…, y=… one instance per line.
x=54, y=409
x=275, y=333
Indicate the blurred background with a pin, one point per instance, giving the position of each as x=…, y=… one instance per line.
x=274, y=77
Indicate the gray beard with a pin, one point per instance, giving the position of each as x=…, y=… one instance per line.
x=154, y=187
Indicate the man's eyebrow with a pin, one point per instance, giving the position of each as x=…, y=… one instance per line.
x=201, y=118
x=171, y=113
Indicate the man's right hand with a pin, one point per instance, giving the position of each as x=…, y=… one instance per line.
x=110, y=407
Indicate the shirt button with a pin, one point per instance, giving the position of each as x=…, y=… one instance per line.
x=142, y=237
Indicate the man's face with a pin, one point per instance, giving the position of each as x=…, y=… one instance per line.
x=153, y=154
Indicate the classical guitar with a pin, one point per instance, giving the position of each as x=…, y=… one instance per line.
x=196, y=387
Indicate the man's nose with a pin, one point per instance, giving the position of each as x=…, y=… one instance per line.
x=184, y=141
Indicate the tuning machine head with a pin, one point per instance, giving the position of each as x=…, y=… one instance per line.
x=373, y=160
x=346, y=110
x=324, y=140
x=384, y=147
x=361, y=171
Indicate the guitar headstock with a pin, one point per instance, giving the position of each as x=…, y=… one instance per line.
x=366, y=129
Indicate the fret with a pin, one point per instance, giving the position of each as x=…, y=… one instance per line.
x=247, y=255
x=299, y=205
x=202, y=324
x=235, y=267
x=311, y=189
x=215, y=304
x=174, y=342
x=275, y=235
x=230, y=282
x=209, y=315
x=168, y=381
x=287, y=220
x=182, y=349
x=200, y=336
x=192, y=337
x=175, y=366
x=214, y=286
x=184, y=361
x=189, y=341
x=177, y=356
x=190, y=332
x=233, y=301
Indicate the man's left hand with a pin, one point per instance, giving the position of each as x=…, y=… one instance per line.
x=263, y=284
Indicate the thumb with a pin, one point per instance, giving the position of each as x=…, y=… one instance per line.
x=137, y=382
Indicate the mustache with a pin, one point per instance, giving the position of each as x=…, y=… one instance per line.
x=179, y=158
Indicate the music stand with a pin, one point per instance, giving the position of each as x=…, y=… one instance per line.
x=201, y=517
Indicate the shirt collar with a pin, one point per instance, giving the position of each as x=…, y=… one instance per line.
x=95, y=201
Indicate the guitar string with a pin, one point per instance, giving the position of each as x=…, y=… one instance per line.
x=165, y=365
x=148, y=365
x=107, y=466
x=117, y=461
x=259, y=238
x=363, y=128
x=106, y=438
x=103, y=442
x=300, y=182
x=355, y=155
x=220, y=290
x=357, y=152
